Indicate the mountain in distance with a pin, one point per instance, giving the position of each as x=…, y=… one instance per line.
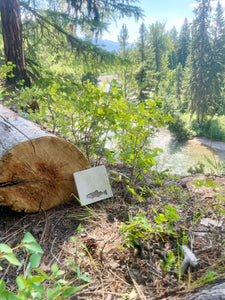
x=109, y=45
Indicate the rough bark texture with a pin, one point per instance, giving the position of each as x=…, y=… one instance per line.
x=36, y=171
x=12, y=36
x=216, y=292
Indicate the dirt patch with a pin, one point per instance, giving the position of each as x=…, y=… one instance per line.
x=100, y=251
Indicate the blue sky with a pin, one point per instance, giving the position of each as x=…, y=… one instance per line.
x=173, y=12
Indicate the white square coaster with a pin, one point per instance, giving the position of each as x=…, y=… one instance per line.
x=92, y=185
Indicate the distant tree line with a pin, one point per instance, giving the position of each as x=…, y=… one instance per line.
x=186, y=69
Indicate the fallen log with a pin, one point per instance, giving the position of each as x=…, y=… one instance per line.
x=36, y=167
x=216, y=292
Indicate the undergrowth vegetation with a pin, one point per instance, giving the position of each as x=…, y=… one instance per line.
x=96, y=120
x=34, y=283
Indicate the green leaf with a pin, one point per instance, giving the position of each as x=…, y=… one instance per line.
x=54, y=268
x=35, y=279
x=35, y=260
x=9, y=296
x=52, y=293
x=34, y=247
x=11, y=257
x=42, y=273
x=72, y=290
x=160, y=218
x=28, y=238
x=21, y=282
x=5, y=248
x=2, y=286
x=171, y=258
x=84, y=278
x=133, y=294
x=60, y=272
x=79, y=228
x=74, y=239
x=30, y=243
x=100, y=111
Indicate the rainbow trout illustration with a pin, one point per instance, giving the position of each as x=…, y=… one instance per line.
x=96, y=194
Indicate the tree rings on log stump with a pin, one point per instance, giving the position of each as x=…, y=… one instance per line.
x=38, y=174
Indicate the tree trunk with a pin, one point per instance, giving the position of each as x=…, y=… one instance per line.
x=12, y=36
x=36, y=168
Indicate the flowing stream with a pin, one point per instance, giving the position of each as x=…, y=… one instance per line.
x=179, y=156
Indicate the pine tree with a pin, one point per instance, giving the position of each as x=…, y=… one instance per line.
x=142, y=43
x=124, y=74
x=123, y=40
x=145, y=75
x=172, y=56
x=158, y=42
x=183, y=43
x=218, y=59
x=13, y=41
x=178, y=84
x=201, y=72
x=141, y=76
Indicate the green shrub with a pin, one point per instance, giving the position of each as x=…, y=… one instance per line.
x=212, y=129
x=180, y=129
x=35, y=283
x=93, y=117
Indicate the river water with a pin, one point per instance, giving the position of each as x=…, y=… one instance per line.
x=179, y=156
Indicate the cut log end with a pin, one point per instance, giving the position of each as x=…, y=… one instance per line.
x=38, y=174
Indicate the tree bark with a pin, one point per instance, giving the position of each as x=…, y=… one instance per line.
x=13, y=41
x=36, y=167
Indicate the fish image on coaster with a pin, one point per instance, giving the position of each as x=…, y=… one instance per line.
x=96, y=193
x=92, y=185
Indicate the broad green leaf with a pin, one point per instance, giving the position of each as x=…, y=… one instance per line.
x=34, y=247
x=9, y=296
x=62, y=282
x=35, y=279
x=5, y=248
x=28, y=238
x=52, y=293
x=42, y=273
x=11, y=257
x=35, y=260
x=54, y=268
x=85, y=278
x=21, y=282
x=72, y=290
x=30, y=243
x=2, y=286
x=60, y=272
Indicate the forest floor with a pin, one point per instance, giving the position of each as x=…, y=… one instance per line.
x=117, y=271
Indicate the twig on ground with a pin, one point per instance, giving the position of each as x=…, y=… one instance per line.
x=138, y=289
x=118, y=277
